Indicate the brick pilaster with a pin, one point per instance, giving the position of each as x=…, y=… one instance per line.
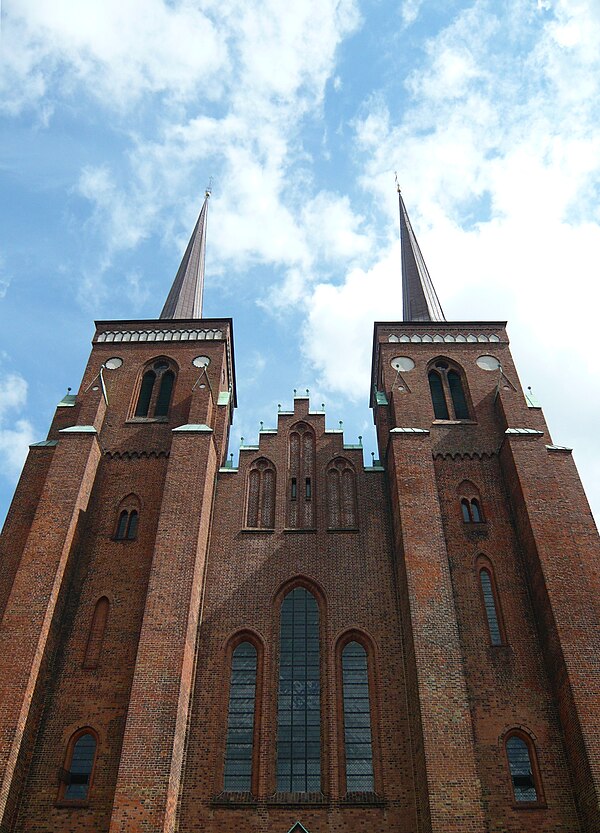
x=30, y=625
x=150, y=770
x=447, y=783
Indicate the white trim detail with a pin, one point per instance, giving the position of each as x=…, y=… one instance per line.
x=448, y=338
x=158, y=335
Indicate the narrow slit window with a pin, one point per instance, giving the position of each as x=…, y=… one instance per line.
x=457, y=393
x=299, y=702
x=294, y=491
x=475, y=512
x=466, y=514
x=357, y=719
x=240, y=726
x=147, y=386
x=308, y=491
x=489, y=602
x=440, y=408
x=164, y=394
x=122, y=525
x=79, y=773
x=521, y=770
x=132, y=526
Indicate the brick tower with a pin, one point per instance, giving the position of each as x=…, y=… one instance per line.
x=301, y=644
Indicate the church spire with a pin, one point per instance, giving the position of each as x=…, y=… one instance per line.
x=419, y=298
x=185, y=298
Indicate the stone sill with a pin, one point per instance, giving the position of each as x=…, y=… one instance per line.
x=299, y=531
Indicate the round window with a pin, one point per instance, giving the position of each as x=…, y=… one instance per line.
x=402, y=363
x=201, y=361
x=488, y=363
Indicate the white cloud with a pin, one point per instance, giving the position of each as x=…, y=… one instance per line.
x=15, y=435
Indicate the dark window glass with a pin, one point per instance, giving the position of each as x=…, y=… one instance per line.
x=122, y=525
x=466, y=515
x=475, y=512
x=357, y=719
x=147, y=385
x=440, y=408
x=520, y=769
x=458, y=395
x=133, y=525
x=490, y=607
x=294, y=488
x=308, y=489
x=164, y=394
x=80, y=769
x=240, y=731
x=299, y=705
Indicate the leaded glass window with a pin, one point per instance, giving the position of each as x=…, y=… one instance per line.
x=521, y=770
x=490, y=607
x=299, y=706
x=457, y=393
x=240, y=725
x=80, y=768
x=357, y=719
x=440, y=408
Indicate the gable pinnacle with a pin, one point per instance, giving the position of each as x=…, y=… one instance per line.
x=419, y=298
x=185, y=297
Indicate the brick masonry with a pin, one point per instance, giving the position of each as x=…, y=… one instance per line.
x=404, y=580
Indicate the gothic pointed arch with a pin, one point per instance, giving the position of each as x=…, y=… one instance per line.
x=77, y=774
x=471, y=506
x=153, y=393
x=341, y=495
x=449, y=391
x=127, y=518
x=260, y=495
x=490, y=600
x=301, y=477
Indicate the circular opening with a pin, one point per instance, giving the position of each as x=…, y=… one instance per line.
x=201, y=361
x=114, y=363
x=403, y=363
x=488, y=363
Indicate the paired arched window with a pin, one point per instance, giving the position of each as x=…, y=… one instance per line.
x=522, y=765
x=491, y=601
x=156, y=389
x=96, y=634
x=358, y=744
x=239, y=752
x=76, y=777
x=447, y=392
x=261, y=495
x=127, y=525
x=471, y=511
x=299, y=702
x=301, y=477
x=341, y=495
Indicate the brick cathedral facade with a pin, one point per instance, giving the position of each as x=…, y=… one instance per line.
x=302, y=643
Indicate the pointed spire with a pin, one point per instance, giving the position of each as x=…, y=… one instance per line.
x=185, y=298
x=419, y=298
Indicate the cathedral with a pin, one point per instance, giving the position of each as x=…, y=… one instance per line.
x=301, y=643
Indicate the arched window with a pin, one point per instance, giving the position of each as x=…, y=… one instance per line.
x=470, y=503
x=156, y=389
x=260, y=511
x=240, y=726
x=76, y=777
x=127, y=525
x=357, y=719
x=299, y=704
x=301, y=475
x=522, y=766
x=466, y=510
x=491, y=605
x=440, y=408
x=341, y=495
x=96, y=635
x=475, y=512
x=447, y=392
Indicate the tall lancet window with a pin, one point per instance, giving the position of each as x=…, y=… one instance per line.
x=341, y=495
x=299, y=706
x=156, y=390
x=261, y=495
x=301, y=477
x=357, y=719
x=240, y=727
x=447, y=392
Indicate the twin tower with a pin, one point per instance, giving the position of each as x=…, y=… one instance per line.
x=302, y=643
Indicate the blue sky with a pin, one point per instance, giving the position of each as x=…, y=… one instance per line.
x=116, y=113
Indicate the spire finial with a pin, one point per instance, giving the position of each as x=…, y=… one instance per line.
x=419, y=298
x=185, y=298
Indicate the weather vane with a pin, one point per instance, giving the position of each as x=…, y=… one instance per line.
x=397, y=183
